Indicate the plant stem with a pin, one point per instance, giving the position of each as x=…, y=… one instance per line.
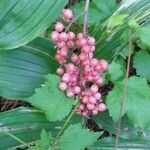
x=86, y=17
x=74, y=19
x=16, y=138
x=66, y=123
x=124, y=90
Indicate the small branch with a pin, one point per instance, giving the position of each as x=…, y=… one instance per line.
x=65, y=124
x=74, y=19
x=124, y=91
x=86, y=17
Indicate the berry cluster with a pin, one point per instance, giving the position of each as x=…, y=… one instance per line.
x=81, y=73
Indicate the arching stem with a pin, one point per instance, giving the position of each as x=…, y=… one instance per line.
x=124, y=90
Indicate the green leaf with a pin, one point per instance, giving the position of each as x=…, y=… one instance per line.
x=127, y=130
x=110, y=44
x=116, y=20
x=23, y=69
x=53, y=102
x=141, y=62
x=94, y=14
x=44, y=142
x=77, y=138
x=109, y=143
x=144, y=34
x=22, y=20
x=114, y=71
x=105, y=6
x=24, y=123
x=136, y=103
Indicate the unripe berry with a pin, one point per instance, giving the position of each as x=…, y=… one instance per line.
x=81, y=107
x=74, y=58
x=92, y=100
x=71, y=36
x=79, y=36
x=60, y=71
x=67, y=13
x=70, y=44
x=84, y=114
x=63, y=52
x=95, y=112
x=77, y=89
x=94, y=88
x=90, y=106
x=104, y=64
x=59, y=27
x=82, y=56
x=63, y=86
x=66, y=77
x=91, y=41
x=85, y=99
x=101, y=107
x=69, y=93
x=85, y=49
x=97, y=96
x=55, y=36
x=82, y=42
x=63, y=36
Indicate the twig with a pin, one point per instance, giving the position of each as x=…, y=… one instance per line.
x=124, y=90
x=74, y=19
x=86, y=17
x=66, y=123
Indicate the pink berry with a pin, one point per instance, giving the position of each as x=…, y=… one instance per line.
x=63, y=52
x=97, y=96
x=92, y=100
x=55, y=36
x=84, y=114
x=90, y=106
x=85, y=49
x=95, y=112
x=82, y=42
x=70, y=44
x=104, y=64
x=77, y=89
x=94, y=88
x=60, y=71
x=82, y=56
x=79, y=36
x=63, y=36
x=63, y=86
x=59, y=27
x=69, y=93
x=67, y=13
x=71, y=36
x=101, y=107
x=66, y=77
x=85, y=99
x=74, y=58
x=91, y=41
x=81, y=107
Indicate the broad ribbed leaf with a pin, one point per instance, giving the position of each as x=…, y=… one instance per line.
x=22, y=20
x=24, y=123
x=110, y=44
x=109, y=144
x=23, y=69
x=127, y=130
x=27, y=124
